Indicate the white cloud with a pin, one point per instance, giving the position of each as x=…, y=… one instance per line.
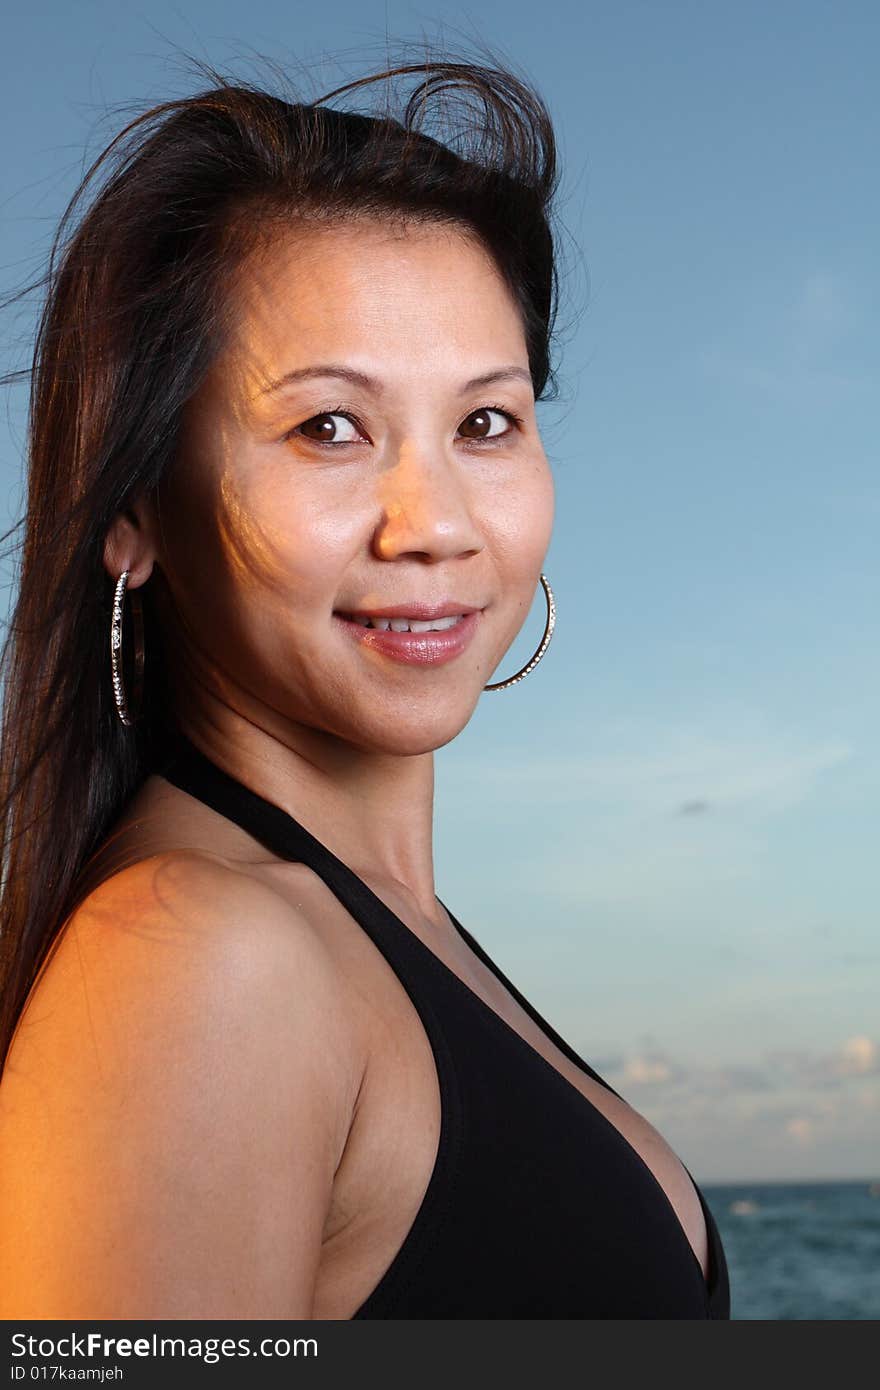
x=778, y=1070
x=783, y=1116
x=646, y=1071
x=801, y=1128
x=858, y=1056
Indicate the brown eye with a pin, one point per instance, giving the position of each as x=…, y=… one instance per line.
x=481, y=421
x=325, y=431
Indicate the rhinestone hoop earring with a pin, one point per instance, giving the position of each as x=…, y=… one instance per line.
x=128, y=716
x=545, y=641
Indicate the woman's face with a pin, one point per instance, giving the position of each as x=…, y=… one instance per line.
x=301, y=494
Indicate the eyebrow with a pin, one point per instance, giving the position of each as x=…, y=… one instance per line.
x=371, y=383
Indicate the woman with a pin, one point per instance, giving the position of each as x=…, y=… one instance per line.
x=284, y=396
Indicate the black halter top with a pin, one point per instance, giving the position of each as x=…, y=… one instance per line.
x=537, y=1206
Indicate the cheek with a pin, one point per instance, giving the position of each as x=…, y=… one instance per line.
x=241, y=547
x=291, y=544
x=519, y=517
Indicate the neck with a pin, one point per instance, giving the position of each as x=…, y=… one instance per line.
x=373, y=810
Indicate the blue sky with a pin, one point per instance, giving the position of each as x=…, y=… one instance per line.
x=666, y=834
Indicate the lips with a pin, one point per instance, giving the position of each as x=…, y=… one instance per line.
x=427, y=649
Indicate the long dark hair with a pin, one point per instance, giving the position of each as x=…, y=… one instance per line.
x=132, y=316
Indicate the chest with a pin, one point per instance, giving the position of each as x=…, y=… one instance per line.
x=515, y=1079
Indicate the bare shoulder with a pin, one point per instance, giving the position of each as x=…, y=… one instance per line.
x=175, y=1103
x=184, y=940
x=212, y=914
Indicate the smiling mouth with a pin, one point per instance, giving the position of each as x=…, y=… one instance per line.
x=414, y=641
x=404, y=624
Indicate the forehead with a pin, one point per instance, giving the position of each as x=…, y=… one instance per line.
x=367, y=290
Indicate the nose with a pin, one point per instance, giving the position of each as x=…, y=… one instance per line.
x=427, y=508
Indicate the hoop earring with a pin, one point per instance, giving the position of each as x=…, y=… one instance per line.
x=545, y=642
x=128, y=716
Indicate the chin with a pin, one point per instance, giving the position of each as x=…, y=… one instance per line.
x=406, y=733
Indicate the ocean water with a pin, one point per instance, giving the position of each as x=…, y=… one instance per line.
x=800, y=1250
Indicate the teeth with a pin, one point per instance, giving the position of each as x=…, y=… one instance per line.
x=436, y=624
x=408, y=624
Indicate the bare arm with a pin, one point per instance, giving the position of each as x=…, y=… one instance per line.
x=174, y=1106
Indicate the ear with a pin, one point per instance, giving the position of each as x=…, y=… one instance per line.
x=130, y=542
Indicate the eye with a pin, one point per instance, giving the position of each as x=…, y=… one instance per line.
x=481, y=419
x=321, y=430
x=326, y=431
